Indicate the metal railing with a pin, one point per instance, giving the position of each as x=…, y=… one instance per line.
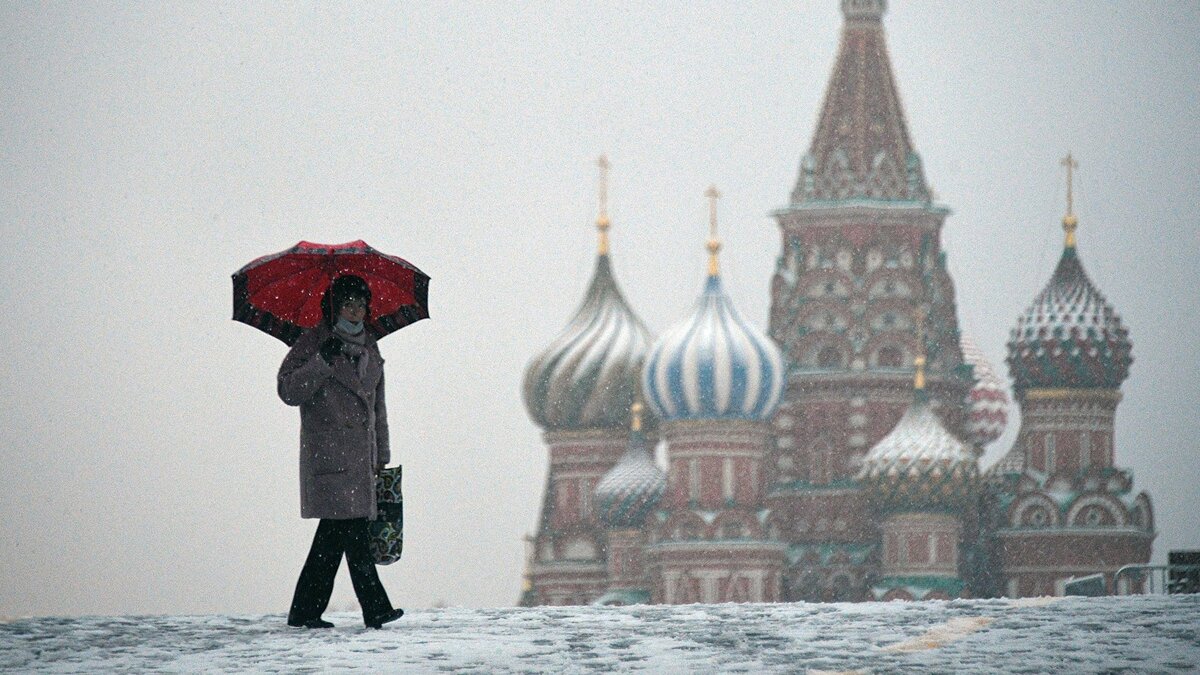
x=1157, y=579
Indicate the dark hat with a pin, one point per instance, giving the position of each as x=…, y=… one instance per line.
x=343, y=287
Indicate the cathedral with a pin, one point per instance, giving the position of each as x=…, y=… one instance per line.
x=834, y=454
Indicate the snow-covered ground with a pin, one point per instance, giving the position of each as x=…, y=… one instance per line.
x=1142, y=634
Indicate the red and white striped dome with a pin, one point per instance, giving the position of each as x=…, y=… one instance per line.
x=988, y=399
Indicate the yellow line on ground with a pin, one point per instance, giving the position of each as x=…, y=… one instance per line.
x=958, y=628
x=937, y=636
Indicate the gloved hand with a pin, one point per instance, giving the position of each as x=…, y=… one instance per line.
x=330, y=348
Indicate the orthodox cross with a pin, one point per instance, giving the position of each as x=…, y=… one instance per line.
x=604, y=166
x=1070, y=221
x=602, y=219
x=714, y=244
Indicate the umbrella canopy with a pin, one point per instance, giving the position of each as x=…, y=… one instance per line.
x=280, y=294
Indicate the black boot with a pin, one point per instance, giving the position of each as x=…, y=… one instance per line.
x=310, y=623
x=389, y=617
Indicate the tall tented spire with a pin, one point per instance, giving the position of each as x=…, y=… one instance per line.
x=863, y=9
x=861, y=149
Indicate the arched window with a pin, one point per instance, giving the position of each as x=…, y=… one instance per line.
x=890, y=357
x=585, y=499
x=841, y=589
x=693, y=480
x=804, y=465
x=820, y=461
x=808, y=587
x=829, y=357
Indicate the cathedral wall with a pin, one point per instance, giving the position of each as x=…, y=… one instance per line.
x=921, y=544
x=718, y=572
x=823, y=516
x=1035, y=564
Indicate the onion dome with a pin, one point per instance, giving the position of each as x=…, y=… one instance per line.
x=988, y=400
x=919, y=464
x=714, y=364
x=588, y=377
x=1070, y=337
x=632, y=487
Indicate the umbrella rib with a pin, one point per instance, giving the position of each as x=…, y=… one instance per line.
x=315, y=274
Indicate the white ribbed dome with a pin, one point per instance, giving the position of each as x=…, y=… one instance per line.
x=920, y=464
x=714, y=365
x=588, y=377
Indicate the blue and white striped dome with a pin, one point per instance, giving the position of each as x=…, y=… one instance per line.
x=714, y=365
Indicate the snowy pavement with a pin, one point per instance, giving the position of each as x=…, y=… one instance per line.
x=1141, y=634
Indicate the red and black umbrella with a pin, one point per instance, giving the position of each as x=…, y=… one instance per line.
x=280, y=294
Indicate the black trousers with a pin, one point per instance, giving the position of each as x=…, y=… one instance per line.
x=333, y=538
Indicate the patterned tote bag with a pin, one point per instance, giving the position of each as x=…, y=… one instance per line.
x=387, y=530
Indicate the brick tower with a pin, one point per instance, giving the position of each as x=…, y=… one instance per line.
x=923, y=486
x=714, y=379
x=579, y=391
x=626, y=496
x=1058, y=505
x=861, y=253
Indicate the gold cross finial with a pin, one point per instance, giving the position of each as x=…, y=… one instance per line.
x=602, y=219
x=1070, y=222
x=636, y=415
x=714, y=244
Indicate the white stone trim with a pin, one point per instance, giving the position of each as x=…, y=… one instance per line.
x=1076, y=570
x=1073, y=531
x=1110, y=504
x=1029, y=501
x=755, y=453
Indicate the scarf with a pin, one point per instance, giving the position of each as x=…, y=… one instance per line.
x=354, y=340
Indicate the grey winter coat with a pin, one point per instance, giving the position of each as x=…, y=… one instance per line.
x=343, y=427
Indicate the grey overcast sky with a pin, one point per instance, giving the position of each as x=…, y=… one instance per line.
x=151, y=149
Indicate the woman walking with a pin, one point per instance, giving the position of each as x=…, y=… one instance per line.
x=334, y=373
